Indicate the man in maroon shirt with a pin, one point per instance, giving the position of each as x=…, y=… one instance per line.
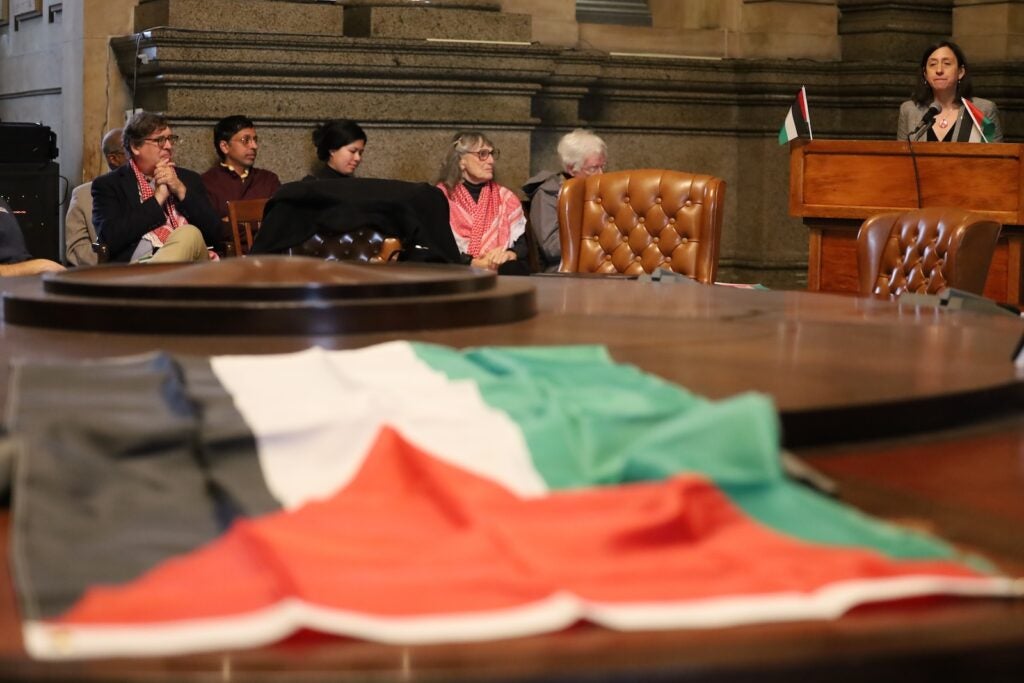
x=235, y=177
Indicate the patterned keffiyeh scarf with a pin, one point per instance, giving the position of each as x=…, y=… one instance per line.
x=157, y=236
x=487, y=223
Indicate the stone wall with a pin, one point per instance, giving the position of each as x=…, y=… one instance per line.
x=709, y=100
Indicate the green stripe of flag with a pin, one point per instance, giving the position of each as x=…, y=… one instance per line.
x=589, y=421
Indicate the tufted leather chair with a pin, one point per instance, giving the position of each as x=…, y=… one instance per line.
x=637, y=221
x=924, y=251
x=364, y=244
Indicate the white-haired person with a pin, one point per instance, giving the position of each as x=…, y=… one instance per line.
x=487, y=219
x=582, y=153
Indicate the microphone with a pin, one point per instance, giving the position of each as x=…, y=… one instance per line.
x=926, y=120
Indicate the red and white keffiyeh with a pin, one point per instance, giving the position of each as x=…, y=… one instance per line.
x=495, y=220
x=159, y=235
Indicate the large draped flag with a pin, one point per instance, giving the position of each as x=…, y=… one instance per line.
x=798, y=120
x=410, y=493
x=983, y=127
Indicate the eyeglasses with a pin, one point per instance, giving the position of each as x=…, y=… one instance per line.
x=482, y=154
x=247, y=140
x=164, y=139
x=591, y=170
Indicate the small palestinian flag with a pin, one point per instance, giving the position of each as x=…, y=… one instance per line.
x=798, y=120
x=984, y=127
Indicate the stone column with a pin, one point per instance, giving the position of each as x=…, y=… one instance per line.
x=990, y=31
x=793, y=29
x=883, y=30
x=554, y=21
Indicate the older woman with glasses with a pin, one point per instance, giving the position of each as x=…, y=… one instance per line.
x=582, y=153
x=486, y=218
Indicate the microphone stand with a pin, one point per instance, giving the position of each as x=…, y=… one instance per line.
x=926, y=121
x=917, y=176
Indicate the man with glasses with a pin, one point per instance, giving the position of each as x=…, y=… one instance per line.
x=582, y=153
x=79, y=232
x=149, y=209
x=235, y=177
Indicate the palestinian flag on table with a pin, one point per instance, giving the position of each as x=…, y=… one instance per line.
x=409, y=494
x=983, y=127
x=798, y=120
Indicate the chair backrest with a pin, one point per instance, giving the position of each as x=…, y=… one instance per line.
x=924, y=251
x=362, y=244
x=638, y=221
x=245, y=216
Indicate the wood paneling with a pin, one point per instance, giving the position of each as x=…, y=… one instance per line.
x=835, y=185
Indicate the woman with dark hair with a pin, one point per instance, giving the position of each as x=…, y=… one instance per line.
x=487, y=219
x=945, y=86
x=340, y=144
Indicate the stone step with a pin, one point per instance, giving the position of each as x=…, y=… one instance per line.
x=475, y=20
x=250, y=16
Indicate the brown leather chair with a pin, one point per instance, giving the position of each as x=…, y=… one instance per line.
x=363, y=244
x=638, y=221
x=924, y=251
x=244, y=217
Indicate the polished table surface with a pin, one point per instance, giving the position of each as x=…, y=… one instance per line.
x=836, y=367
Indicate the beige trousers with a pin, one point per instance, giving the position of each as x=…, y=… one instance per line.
x=186, y=243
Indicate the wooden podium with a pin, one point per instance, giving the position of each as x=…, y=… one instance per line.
x=835, y=184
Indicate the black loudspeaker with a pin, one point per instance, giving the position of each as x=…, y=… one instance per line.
x=26, y=143
x=31, y=192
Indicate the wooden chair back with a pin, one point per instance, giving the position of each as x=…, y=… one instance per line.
x=245, y=216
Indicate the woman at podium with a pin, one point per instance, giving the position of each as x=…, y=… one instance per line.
x=942, y=109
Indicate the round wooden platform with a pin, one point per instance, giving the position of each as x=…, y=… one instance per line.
x=270, y=295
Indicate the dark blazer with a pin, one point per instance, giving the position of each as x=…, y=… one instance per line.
x=121, y=219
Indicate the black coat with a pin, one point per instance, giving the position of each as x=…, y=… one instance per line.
x=415, y=213
x=121, y=219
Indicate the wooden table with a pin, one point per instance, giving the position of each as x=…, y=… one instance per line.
x=837, y=367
